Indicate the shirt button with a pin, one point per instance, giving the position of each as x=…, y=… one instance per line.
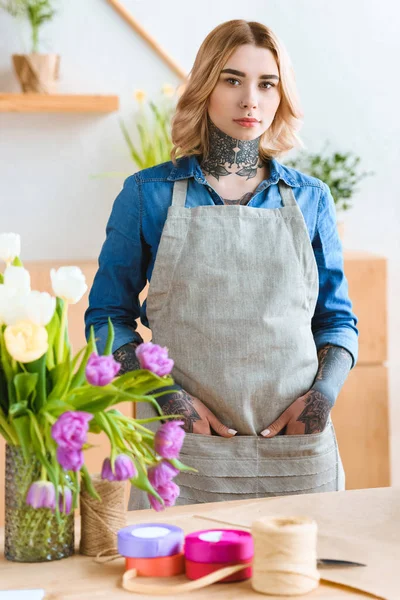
x=209, y=189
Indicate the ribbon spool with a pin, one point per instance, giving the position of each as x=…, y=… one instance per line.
x=152, y=549
x=210, y=550
x=285, y=556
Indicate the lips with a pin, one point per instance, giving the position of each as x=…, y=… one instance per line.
x=246, y=120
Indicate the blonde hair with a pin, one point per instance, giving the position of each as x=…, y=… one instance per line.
x=189, y=123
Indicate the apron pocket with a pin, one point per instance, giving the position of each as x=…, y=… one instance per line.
x=215, y=456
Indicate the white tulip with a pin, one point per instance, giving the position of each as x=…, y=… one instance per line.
x=10, y=246
x=17, y=278
x=39, y=307
x=8, y=301
x=68, y=283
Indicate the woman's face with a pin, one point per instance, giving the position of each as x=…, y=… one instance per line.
x=251, y=85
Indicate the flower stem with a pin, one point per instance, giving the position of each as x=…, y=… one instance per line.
x=60, y=350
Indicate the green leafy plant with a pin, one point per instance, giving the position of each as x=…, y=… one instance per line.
x=37, y=12
x=154, y=130
x=340, y=171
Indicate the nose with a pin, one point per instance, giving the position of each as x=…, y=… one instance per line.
x=249, y=104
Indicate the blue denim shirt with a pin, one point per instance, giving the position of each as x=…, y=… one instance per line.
x=134, y=229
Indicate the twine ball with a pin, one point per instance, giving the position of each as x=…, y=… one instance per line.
x=285, y=555
x=100, y=521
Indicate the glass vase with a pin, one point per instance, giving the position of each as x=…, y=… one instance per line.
x=31, y=534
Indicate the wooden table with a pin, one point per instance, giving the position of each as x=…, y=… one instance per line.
x=80, y=578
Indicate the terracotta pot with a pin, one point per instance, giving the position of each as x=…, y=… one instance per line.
x=37, y=73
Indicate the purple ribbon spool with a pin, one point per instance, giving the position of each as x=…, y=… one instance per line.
x=150, y=540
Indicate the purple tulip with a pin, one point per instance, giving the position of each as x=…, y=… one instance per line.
x=168, y=492
x=101, y=370
x=161, y=474
x=169, y=439
x=41, y=494
x=70, y=429
x=70, y=459
x=67, y=494
x=154, y=358
x=123, y=469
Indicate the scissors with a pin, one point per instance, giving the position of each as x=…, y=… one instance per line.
x=333, y=562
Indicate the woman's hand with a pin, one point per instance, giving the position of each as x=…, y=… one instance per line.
x=197, y=417
x=307, y=414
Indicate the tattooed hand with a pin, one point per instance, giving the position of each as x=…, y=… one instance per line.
x=310, y=413
x=197, y=417
x=127, y=357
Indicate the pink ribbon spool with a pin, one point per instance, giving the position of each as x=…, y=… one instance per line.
x=209, y=550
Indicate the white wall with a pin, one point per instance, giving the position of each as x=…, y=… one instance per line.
x=344, y=57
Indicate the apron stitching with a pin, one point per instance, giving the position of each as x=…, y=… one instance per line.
x=314, y=487
x=166, y=294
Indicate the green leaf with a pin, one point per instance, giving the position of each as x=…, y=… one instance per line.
x=25, y=386
x=39, y=367
x=8, y=431
x=175, y=462
x=5, y=358
x=56, y=407
x=110, y=339
x=141, y=480
x=17, y=262
x=135, y=155
x=61, y=376
x=36, y=436
x=18, y=409
x=89, y=484
x=22, y=427
x=52, y=329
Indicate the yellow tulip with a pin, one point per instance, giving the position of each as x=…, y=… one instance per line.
x=140, y=96
x=26, y=341
x=168, y=90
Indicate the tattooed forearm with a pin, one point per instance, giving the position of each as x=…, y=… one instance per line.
x=334, y=366
x=316, y=412
x=127, y=357
x=182, y=403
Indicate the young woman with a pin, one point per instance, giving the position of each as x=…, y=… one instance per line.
x=247, y=288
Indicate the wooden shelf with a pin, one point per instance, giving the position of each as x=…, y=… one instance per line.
x=58, y=103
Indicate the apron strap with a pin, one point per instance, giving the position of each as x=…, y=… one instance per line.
x=179, y=193
x=287, y=195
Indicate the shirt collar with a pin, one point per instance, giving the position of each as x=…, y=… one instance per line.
x=188, y=166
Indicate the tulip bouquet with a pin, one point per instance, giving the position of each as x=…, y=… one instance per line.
x=50, y=400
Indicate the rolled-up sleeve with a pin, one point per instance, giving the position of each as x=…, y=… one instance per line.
x=334, y=321
x=121, y=274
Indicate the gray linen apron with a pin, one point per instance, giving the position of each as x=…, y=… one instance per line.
x=232, y=295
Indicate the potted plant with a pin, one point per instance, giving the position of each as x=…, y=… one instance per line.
x=154, y=133
x=37, y=73
x=50, y=400
x=338, y=170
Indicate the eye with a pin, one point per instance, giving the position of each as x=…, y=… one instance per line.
x=264, y=82
x=232, y=79
x=268, y=83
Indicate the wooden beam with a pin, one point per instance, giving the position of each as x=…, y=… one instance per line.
x=135, y=25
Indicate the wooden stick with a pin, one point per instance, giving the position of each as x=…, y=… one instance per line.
x=133, y=23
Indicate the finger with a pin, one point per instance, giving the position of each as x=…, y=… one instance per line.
x=202, y=427
x=219, y=428
x=276, y=426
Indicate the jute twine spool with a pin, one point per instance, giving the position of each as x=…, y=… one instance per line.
x=285, y=555
x=100, y=521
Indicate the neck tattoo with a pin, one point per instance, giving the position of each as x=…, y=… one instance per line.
x=230, y=156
